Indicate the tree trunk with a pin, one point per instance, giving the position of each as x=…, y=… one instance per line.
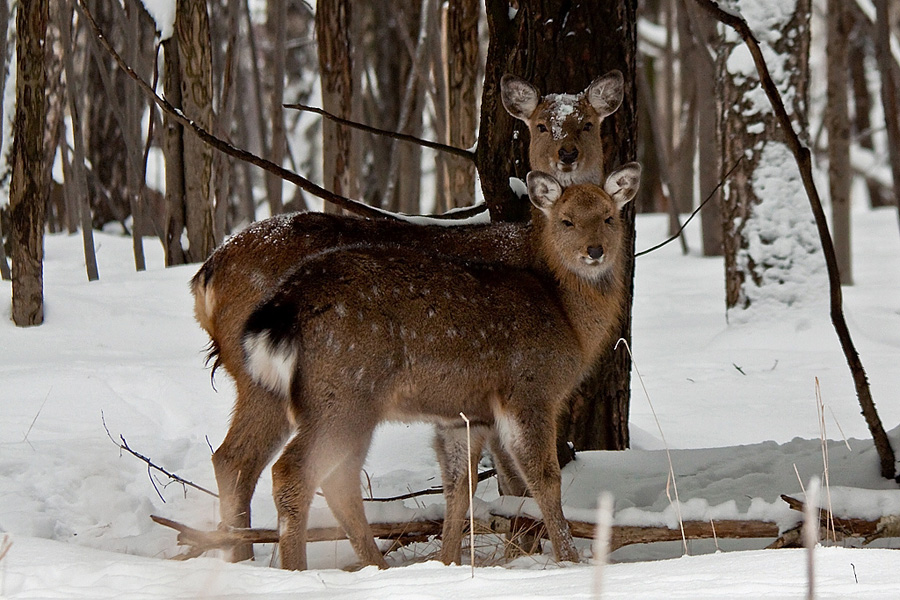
x=462, y=74
x=276, y=23
x=77, y=183
x=562, y=47
x=771, y=244
x=703, y=68
x=889, y=84
x=133, y=105
x=5, y=273
x=106, y=152
x=192, y=33
x=837, y=120
x=173, y=149
x=862, y=97
x=333, y=31
x=26, y=197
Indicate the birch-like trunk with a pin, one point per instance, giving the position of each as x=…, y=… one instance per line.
x=772, y=250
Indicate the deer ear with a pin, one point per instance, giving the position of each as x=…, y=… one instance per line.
x=519, y=97
x=543, y=190
x=606, y=92
x=622, y=184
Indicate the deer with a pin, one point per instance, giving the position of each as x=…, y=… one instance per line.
x=239, y=273
x=358, y=335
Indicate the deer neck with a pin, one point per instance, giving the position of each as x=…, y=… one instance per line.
x=593, y=307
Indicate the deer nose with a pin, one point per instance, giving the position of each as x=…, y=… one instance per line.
x=568, y=156
x=595, y=252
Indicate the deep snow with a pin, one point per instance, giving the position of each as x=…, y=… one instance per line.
x=736, y=404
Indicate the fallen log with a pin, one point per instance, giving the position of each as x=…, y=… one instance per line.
x=201, y=541
x=843, y=527
x=517, y=527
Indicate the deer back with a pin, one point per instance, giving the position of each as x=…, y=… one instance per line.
x=418, y=335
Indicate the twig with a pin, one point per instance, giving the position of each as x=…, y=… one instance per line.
x=671, y=475
x=702, y=204
x=404, y=137
x=5, y=546
x=804, y=163
x=430, y=491
x=151, y=465
x=34, y=420
x=471, y=493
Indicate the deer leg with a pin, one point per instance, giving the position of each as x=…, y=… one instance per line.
x=455, y=461
x=295, y=478
x=258, y=430
x=508, y=476
x=532, y=443
x=342, y=492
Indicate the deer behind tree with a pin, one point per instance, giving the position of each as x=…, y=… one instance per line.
x=359, y=335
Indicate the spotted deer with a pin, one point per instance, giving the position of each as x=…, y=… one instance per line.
x=240, y=272
x=358, y=335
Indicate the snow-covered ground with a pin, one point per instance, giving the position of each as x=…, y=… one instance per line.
x=736, y=404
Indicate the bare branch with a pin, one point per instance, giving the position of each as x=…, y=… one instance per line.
x=151, y=465
x=804, y=163
x=404, y=137
x=693, y=214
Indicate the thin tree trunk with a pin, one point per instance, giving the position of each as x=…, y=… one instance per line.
x=837, y=120
x=685, y=152
x=131, y=132
x=276, y=23
x=703, y=67
x=26, y=197
x=173, y=149
x=192, y=33
x=862, y=97
x=333, y=30
x=889, y=99
x=78, y=182
x=462, y=73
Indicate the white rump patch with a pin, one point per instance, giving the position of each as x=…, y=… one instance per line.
x=270, y=365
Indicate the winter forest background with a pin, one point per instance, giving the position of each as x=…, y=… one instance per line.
x=112, y=180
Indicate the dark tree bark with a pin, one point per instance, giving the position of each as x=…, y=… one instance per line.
x=5, y=273
x=461, y=51
x=276, y=23
x=26, y=198
x=837, y=121
x=562, y=47
x=333, y=31
x=192, y=33
x=173, y=148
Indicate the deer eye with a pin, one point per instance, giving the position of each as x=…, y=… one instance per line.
x=587, y=126
x=609, y=220
x=542, y=128
x=568, y=223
